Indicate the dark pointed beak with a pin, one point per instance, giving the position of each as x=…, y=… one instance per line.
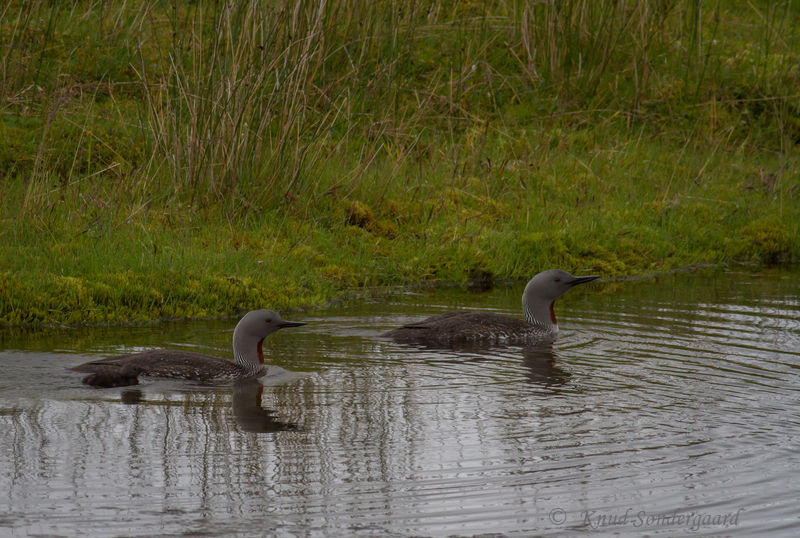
x=583, y=279
x=286, y=324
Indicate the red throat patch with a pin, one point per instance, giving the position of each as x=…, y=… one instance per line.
x=261, y=352
x=552, y=318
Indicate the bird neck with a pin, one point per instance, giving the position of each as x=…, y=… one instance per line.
x=540, y=313
x=248, y=353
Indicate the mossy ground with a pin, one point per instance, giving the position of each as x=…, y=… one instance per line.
x=423, y=159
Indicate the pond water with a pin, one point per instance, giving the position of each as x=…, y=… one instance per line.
x=666, y=407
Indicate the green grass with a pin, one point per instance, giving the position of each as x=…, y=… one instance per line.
x=164, y=162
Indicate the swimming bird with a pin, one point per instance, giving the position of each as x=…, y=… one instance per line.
x=465, y=326
x=248, y=358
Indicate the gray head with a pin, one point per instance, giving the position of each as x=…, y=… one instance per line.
x=250, y=333
x=543, y=290
x=258, y=324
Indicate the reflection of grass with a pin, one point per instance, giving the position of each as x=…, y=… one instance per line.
x=189, y=162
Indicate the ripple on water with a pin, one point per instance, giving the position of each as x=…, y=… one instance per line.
x=675, y=396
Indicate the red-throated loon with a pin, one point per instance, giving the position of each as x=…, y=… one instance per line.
x=247, y=354
x=468, y=326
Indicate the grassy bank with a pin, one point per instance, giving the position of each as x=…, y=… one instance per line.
x=191, y=161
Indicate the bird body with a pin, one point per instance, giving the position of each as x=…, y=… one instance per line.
x=248, y=362
x=464, y=326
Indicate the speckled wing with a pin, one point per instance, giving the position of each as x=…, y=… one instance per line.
x=464, y=326
x=164, y=363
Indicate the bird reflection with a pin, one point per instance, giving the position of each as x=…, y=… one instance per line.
x=542, y=368
x=247, y=410
x=131, y=396
x=249, y=414
x=539, y=361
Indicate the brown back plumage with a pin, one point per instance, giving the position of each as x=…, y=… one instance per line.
x=467, y=326
x=161, y=363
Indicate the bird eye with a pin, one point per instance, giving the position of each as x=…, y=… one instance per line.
x=269, y=320
x=556, y=279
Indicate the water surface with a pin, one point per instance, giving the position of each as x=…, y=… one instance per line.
x=666, y=407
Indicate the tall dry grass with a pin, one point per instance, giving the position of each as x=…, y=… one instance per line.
x=251, y=103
